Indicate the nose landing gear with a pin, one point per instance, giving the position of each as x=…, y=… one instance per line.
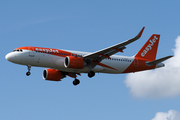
x=29, y=68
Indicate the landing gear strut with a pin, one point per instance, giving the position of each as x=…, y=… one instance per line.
x=76, y=82
x=91, y=74
x=29, y=68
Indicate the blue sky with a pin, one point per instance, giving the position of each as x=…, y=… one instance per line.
x=84, y=26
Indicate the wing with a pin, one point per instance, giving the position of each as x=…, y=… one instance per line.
x=93, y=58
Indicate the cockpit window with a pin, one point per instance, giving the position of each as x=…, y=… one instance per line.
x=18, y=50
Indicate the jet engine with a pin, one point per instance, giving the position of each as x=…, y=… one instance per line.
x=74, y=62
x=52, y=75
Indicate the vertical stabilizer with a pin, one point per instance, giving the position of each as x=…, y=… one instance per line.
x=149, y=50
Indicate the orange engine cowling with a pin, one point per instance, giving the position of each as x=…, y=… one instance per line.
x=52, y=75
x=74, y=62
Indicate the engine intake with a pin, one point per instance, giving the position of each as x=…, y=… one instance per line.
x=74, y=62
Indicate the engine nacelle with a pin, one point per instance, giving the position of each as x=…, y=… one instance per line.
x=52, y=75
x=74, y=62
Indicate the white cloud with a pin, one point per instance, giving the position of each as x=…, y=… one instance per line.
x=170, y=115
x=158, y=83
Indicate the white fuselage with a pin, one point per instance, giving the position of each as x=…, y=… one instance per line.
x=117, y=64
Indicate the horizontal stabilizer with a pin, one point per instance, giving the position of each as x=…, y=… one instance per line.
x=154, y=62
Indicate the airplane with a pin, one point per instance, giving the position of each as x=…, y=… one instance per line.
x=62, y=63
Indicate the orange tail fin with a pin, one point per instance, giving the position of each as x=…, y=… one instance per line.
x=149, y=50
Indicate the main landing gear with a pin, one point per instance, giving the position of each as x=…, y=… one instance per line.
x=76, y=82
x=29, y=68
x=90, y=75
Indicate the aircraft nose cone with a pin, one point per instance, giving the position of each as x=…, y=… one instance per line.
x=9, y=57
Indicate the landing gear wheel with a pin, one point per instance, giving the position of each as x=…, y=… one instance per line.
x=76, y=82
x=28, y=73
x=29, y=68
x=91, y=74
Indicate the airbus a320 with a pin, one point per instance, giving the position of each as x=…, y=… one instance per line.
x=62, y=63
